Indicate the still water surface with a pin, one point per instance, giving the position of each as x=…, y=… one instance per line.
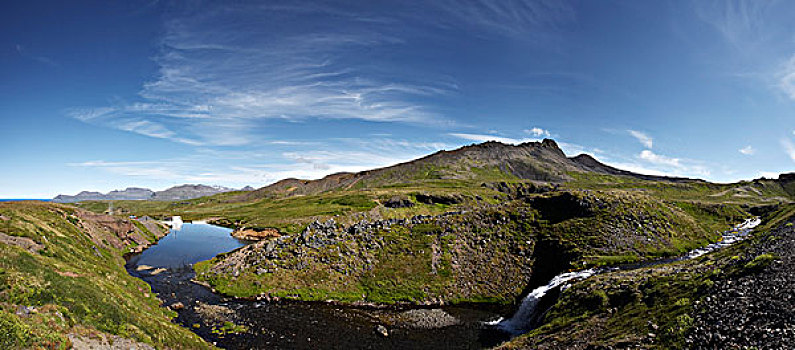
x=189, y=245
x=291, y=325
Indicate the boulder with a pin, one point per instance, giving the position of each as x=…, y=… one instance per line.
x=381, y=330
x=398, y=202
x=253, y=234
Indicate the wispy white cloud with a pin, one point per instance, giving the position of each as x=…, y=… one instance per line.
x=747, y=150
x=654, y=158
x=485, y=138
x=263, y=167
x=236, y=69
x=642, y=137
x=639, y=168
x=789, y=147
x=538, y=132
x=674, y=166
x=530, y=19
x=145, y=127
x=760, y=37
x=786, y=78
x=88, y=114
x=741, y=23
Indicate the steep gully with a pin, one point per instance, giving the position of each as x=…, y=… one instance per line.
x=166, y=267
x=533, y=306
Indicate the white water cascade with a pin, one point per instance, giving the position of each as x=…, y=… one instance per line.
x=738, y=233
x=522, y=321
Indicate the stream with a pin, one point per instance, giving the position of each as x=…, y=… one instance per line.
x=530, y=313
x=166, y=267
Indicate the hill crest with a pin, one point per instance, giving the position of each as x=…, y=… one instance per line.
x=537, y=161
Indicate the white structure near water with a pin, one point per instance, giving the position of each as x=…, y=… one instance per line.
x=175, y=223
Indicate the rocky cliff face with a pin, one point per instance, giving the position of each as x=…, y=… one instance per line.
x=488, y=252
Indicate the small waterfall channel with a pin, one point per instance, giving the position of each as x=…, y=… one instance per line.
x=529, y=314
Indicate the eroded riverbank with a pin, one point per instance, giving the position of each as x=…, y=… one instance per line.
x=286, y=324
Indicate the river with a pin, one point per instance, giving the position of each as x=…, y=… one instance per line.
x=166, y=266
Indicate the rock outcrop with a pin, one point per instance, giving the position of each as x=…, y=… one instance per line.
x=251, y=234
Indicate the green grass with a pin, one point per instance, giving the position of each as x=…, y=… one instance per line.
x=229, y=328
x=489, y=246
x=663, y=295
x=760, y=262
x=72, y=287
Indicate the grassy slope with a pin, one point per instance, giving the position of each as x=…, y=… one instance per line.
x=486, y=254
x=291, y=214
x=643, y=220
x=626, y=307
x=74, y=288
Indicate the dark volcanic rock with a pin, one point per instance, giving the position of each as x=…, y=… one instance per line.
x=398, y=202
x=519, y=190
x=439, y=198
x=561, y=207
x=755, y=309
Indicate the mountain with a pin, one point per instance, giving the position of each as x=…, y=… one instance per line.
x=131, y=193
x=487, y=223
x=135, y=193
x=188, y=192
x=591, y=164
x=540, y=161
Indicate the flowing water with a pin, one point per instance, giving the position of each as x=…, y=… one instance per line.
x=167, y=268
x=290, y=325
x=529, y=313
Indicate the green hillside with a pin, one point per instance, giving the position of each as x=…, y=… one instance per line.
x=62, y=275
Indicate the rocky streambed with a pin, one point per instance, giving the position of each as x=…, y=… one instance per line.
x=245, y=324
x=753, y=310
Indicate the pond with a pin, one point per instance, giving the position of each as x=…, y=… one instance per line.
x=296, y=325
x=188, y=245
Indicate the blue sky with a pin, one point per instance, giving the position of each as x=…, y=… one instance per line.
x=100, y=96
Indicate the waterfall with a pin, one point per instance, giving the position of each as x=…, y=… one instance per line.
x=527, y=313
x=730, y=237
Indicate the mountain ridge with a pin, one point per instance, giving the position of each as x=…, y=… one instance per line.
x=187, y=191
x=538, y=161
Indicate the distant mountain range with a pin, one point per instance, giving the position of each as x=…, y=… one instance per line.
x=137, y=193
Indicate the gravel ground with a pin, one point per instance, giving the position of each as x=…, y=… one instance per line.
x=755, y=310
